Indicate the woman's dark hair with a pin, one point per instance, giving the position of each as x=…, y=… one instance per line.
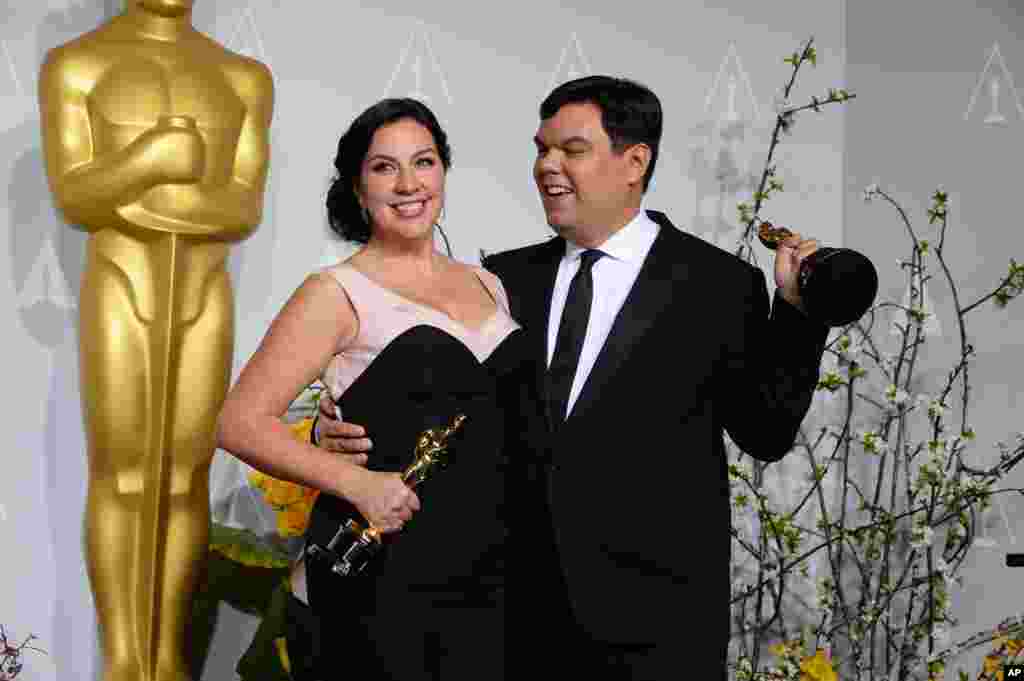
x=630, y=112
x=343, y=211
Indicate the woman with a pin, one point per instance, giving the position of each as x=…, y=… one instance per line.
x=404, y=338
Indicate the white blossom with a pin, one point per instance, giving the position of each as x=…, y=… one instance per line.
x=849, y=348
x=740, y=471
x=873, y=442
x=826, y=594
x=946, y=570
x=896, y=396
x=936, y=408
x=922, y=537
x=938, y=449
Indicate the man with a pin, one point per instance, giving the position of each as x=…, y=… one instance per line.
x=644, y=343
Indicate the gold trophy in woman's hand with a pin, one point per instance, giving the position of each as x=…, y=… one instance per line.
x=837, y=285
x=354, y=545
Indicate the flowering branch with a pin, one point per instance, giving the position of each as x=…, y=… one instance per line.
x=784, y=121
x=10, y=655
x=890, y=504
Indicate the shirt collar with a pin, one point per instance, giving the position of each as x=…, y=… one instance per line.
x=629, y=244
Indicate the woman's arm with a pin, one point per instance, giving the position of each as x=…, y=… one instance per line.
x=316, y=322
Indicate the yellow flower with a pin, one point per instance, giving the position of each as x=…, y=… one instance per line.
x=281, y=643
x=281, y=494
x=1014, y=646
x=302, y=429
x=993, y=667
x=292, y=521
x=292, y=502
x=784, y=648
x=817, y=668
x=257, y=478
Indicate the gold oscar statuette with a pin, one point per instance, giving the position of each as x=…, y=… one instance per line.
x=156, y=143
x=837, y=285
x=352, y=544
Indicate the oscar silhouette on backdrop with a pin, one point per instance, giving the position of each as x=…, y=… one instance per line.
x=155, y=140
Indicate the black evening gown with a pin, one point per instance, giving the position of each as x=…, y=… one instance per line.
x=434, y=607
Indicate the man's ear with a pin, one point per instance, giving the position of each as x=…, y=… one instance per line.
x=638, y=159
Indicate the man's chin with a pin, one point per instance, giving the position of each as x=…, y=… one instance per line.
x=558, y=224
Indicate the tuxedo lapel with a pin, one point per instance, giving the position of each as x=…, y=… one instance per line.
x=538, y=286
x=655, y=285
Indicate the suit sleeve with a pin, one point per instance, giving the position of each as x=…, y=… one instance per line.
x=772, y=368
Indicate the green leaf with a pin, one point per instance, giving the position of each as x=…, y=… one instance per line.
x=261, y=662
x=242, y=546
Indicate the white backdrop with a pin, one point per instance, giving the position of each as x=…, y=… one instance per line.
x=484, y=71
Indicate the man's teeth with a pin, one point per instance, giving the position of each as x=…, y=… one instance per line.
x=558, y=191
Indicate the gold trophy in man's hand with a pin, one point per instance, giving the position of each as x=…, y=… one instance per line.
x=837, y=285
x=355, y=543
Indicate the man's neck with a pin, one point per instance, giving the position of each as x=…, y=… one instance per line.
x=595, y=237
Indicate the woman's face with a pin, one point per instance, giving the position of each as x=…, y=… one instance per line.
x=401, y=183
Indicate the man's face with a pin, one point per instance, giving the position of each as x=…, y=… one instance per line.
x=583, y=184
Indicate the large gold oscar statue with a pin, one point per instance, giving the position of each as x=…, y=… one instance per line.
x=156, y=142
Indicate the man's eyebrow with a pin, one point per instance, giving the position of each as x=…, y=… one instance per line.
x=576, y=139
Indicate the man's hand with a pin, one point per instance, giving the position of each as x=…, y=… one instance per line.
x=788, y=256
x=335, y=435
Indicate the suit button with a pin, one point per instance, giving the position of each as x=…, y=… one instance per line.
x=553, y=467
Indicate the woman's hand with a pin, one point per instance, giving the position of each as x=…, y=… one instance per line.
x=384, y=500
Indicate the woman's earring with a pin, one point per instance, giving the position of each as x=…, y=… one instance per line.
x=447, y=245
x=365, y=213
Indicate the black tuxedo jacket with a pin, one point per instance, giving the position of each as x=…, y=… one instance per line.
x=635, y=479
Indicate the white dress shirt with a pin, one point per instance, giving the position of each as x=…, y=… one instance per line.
x=614, y=276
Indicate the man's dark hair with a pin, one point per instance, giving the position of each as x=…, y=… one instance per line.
x=630, y=112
